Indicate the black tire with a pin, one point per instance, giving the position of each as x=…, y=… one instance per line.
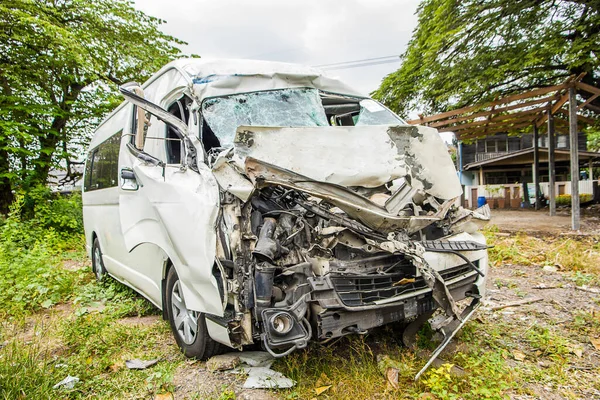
x=199, y=345
x=97, y=263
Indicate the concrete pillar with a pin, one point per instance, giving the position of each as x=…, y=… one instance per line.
x=574, y=155
x=551, y=165
x=536, y=166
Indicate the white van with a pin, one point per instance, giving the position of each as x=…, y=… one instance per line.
x=266, y=202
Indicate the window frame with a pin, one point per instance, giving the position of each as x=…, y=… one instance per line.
x=89, y=184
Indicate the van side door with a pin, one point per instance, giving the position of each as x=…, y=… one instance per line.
x=171, y=201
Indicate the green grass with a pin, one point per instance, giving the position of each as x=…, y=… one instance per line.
x=92, y=346
x=57, y=322
x=576, y=254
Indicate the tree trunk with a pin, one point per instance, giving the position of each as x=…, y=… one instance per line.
x=6, y=194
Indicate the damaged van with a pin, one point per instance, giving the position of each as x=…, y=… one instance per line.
x=262, y=202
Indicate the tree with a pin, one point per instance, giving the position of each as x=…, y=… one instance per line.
x=60, y=63
x=464, y=52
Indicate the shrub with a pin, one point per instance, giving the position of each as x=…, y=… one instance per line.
x=565, y=199
x=39, y=229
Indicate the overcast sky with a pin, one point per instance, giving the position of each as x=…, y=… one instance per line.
x=308, y=32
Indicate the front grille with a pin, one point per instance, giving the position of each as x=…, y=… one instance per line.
x=360, y=290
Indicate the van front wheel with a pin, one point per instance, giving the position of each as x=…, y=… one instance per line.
x=188, y=326
x=97, y=263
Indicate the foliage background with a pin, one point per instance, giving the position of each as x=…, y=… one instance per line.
x=60, y=64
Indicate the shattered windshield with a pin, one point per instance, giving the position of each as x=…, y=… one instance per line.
x=373, y=113
x=285, y=107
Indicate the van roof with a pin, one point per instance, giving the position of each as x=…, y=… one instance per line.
x=212, y=77
x=223, y=77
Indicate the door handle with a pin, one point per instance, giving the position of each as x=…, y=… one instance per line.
x=128, y=180
x=127, y=174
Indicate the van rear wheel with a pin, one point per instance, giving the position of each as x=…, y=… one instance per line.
x=188, y=326
x=97, y=263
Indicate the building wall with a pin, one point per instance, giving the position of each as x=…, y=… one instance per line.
x=502, y=144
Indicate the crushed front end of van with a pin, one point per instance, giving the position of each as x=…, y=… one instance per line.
x=374, y=236
x=287, y=208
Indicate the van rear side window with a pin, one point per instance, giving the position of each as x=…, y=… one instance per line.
x=102, y=166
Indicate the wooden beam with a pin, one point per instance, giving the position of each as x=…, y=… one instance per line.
x=588, y=101
x=492, y=112
x=587, y=120
x=504, y=100
x=587, y=88
x=574, y=155
x=528, y=115
x=481, y=125
x=551, y=165
x=593, y=108
x=477, y=133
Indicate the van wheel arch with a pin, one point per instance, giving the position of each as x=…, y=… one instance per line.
x=163, y=288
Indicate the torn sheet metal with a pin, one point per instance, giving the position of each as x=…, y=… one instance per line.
x=356, y=206
x=426, y=156
x=231, y=180
x=367, y=156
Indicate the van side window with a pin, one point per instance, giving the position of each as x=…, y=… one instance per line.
x=173, y=143
x=102, y=166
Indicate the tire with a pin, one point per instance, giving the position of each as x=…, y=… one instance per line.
x=97, y=263
x=188, y=327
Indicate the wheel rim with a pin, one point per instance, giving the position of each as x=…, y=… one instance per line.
x=186, y=321
x=99, y=268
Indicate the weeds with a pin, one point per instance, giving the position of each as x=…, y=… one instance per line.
x=32, y=249
x=568, y=254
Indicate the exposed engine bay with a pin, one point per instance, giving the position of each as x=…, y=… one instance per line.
x=312, y=252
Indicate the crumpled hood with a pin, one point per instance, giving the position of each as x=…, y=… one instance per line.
x=326, y=161
x=367, y=156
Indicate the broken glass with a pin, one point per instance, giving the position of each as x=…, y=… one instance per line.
x=285, y=107
x=373, y=113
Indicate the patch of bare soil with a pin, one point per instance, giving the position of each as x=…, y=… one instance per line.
x=28, y=331
x=74, y=265
x=559, y=311
x=140, y=321
x=193, y=381
x=541, y=222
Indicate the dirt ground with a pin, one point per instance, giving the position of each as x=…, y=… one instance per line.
x=532, y=221
x=558, y=305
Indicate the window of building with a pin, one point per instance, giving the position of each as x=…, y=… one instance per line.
x=102, y=166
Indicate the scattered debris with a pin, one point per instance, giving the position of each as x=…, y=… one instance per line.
x=164, y=396
x=322, y=389
x=223, y=362
x=256, y=358
x=257, y=364
x=577, y=350
x=587, y=289
x=516, y=303
x=67, y=383
x=518, y=355
x=323, y=384
x=390, y=369
x=140, y=364
x=550, y=268
x=595, y=342
x=266, y=378
x=544, y=286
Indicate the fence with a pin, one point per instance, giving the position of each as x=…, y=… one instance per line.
x=510, y=196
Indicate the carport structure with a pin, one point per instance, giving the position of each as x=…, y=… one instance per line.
x=539, y=109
